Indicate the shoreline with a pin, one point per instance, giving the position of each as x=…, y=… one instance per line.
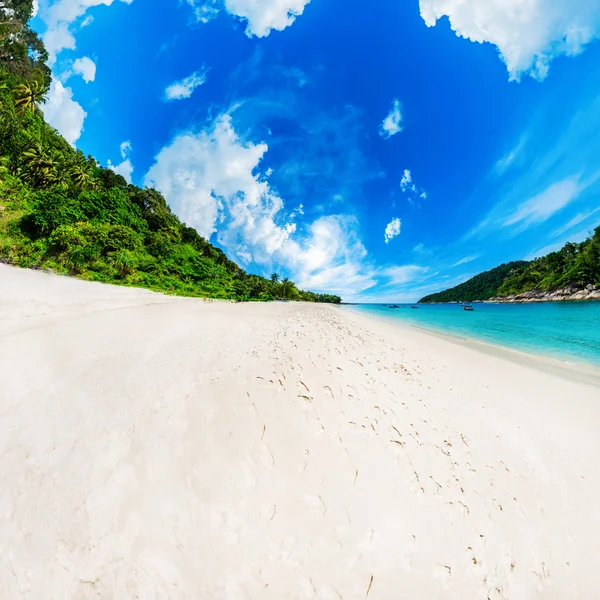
x=582, y=371
x=290, y=450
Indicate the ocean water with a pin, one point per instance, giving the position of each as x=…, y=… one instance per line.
x=568, y=331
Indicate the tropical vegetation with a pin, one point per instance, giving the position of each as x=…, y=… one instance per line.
x=574, y=265
x=63, y=211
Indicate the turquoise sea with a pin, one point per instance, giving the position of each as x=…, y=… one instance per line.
x=568, y=331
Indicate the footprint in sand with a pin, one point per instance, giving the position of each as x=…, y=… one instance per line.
x=268, y=512
x=407, y=559
x=443, y=573
x=266, y=457
x=315, y=502
x=229, y=524
x=304, y=463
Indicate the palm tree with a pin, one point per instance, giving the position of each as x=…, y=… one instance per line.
x=43, y=169
x=28, y=96
x=274, y=278
x=81, y=177
x=285, y=281
x=81, y=172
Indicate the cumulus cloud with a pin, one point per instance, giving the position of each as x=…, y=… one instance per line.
x=63, y=113
x=185, y=88
x=59, y=17
x=330, y=258
x=212, y=181
x=124, y=168
x=528, y=34
x=201, y=173
x=392, y=230
x=85, y=67
x=392, y=124
x=261, y=16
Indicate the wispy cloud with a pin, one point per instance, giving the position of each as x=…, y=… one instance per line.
x=466, y=259
x=404, y=274
x=180, y=90
x=392, y=124
x=576, y=220
x=514, y=156
x=545, y=204
x=408, y=186
x=573, y=238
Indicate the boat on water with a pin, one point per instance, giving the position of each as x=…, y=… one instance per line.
x=394, y=306
x=414, y=307
x=468, y=307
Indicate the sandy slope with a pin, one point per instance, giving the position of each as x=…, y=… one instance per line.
x=154, y=447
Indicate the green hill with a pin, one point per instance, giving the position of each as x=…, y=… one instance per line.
x=61, y=210
x=575, y=265
x=481, y=287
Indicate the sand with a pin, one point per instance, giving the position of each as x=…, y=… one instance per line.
x=155, y=447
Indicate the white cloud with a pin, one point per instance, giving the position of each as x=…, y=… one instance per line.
x=204, y=10
x=200, y=172
x=465, y=260
x=211, y=180
x=576, y=220
x=63, y=113
x=545, y=204
x=404, y=274
x=574, y=238
x=262, y=16
x=85, y=67
x=185, y=88
x=265, y=15
x=392, y=124
x=392, y=230
x=124, y=168
x=60, y=16
x=406, y=182
x=331, y=258
x=407, y=185
x=529, y=34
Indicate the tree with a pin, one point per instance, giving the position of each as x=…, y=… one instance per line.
x=42, y=169
x=82, y=173
x=28, y=96
x=274, y=278
x=284, y=282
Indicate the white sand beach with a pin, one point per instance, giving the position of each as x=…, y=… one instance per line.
x=164, y=448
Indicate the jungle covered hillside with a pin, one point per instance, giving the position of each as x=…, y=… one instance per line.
x=574, y=265
x=63, y=211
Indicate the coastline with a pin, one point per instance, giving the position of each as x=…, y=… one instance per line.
x=581, y=371
x=168, y=447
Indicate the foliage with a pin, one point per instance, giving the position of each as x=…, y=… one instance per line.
x=62, y=211
x=481, y=287
x=574, y=265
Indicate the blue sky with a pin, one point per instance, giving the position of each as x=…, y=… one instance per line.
x=382, y=153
